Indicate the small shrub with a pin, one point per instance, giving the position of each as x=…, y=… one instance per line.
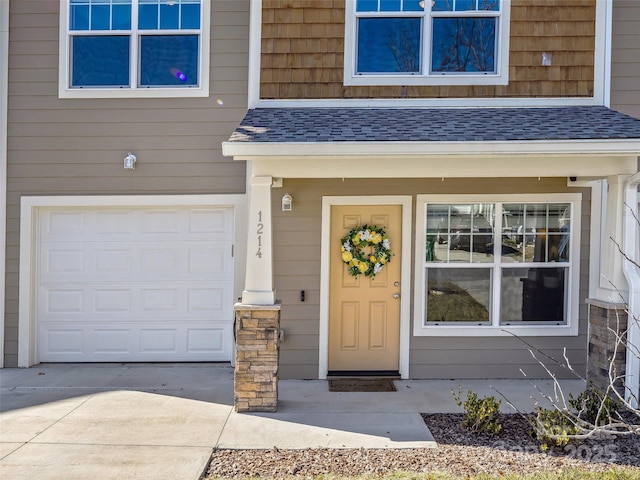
x=481, y=415
x=553, y=428
x=594, y=406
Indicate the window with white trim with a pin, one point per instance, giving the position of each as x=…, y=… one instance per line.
x=426, y=42
x=114, y=48
x=490, y=266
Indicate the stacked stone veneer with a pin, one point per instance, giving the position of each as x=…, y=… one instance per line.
x=605, y=319
x=256, y=372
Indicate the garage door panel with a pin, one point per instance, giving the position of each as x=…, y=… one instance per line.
x=210, y=221
x=111, y=342
x=64, y=341
x=112, y=300
x=206, y=340
x=63, y=223
x=112, y=222
x=181, y=260
x=65, y=301
x=206, y=300
x=135, y=284
x=162, y=342
x=60, y=261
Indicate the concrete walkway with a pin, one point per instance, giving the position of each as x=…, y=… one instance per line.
x=160, y=421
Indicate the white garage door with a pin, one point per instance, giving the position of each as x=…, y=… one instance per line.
x=135, y=284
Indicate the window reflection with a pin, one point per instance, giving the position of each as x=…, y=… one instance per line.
x=458, y=295
x=460, y=233
x=532, y=294
x=536, y=232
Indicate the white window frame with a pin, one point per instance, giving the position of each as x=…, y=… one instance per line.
x=501, y=77
x=421, y=328
x=64, y=67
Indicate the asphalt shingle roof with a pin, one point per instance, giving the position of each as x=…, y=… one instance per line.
x=316, y=125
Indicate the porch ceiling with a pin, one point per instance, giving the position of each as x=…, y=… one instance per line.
x=314, y=142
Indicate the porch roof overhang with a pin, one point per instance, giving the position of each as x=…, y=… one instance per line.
x=434, y=142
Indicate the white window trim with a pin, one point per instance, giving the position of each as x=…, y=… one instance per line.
x=64, y=91
x=499, y=78
x=496, y=330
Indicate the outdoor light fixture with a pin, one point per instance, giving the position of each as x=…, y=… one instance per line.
x=130, y=161
x=287, y=200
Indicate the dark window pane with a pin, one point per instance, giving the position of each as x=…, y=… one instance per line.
x=442, y=5
x=100, y=17
x=100, y=61
x=79, y=17
x=169, y=60
x=169, y=16
x=532, y=294
x=148, y=17
x=389, y=5
x=493, y=5
x=121, y=17
x=465, y=44
x=190, y=16
x=462, y=5
x=388, y=45
x=413, y=5
x=367, y=6
x=458, y=295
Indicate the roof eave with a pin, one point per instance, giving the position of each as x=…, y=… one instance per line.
x=242, y=150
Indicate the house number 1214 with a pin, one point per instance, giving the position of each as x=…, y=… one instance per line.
x=259, y=231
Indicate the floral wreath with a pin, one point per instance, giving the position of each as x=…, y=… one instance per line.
x=365, y=250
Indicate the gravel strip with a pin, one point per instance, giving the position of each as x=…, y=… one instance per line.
x=459, y=454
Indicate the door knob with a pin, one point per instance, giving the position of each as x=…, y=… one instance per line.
x=396, y=295
x=396, y=284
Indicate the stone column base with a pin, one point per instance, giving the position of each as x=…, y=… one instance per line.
x=257, y=353
x=606, y=320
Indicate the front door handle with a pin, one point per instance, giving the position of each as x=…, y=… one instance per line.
x=396, y=295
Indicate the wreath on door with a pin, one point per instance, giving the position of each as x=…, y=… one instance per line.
x=365, y=250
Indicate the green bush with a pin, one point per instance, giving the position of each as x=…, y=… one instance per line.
x=553, y=428
x=591, y=408
x=481, y=415
x=594, y=406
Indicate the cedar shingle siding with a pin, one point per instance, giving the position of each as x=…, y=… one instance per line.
x=303, y=51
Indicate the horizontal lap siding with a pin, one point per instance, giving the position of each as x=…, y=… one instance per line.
x=297, y=248
x=625, y=57
x=303, y=53
x=76, y=146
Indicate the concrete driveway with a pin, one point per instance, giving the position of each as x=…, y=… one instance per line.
x=161, y=421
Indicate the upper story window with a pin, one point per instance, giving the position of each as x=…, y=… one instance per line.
x=426, y=42
x=493, y=265
x=134, y=48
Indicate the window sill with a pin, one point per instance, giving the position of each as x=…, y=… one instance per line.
x=491, y=331
x=421, y=80
x=194, y=92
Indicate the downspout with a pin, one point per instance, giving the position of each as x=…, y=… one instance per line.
x=4, y=101
x=632, y=274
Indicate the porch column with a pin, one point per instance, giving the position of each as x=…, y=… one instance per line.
x=259, y=272
x=617, y=292
x=612, y=285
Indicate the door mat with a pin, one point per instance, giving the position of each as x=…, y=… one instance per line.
x=361, y=385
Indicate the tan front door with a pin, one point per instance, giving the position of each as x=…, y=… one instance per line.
x=364, y=312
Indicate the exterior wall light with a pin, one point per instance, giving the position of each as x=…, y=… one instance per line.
x=130, y=161
x=287, y=201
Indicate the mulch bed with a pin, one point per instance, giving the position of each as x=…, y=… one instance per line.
x=459, y=453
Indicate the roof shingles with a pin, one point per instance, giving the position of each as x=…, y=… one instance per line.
x=317, y=125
